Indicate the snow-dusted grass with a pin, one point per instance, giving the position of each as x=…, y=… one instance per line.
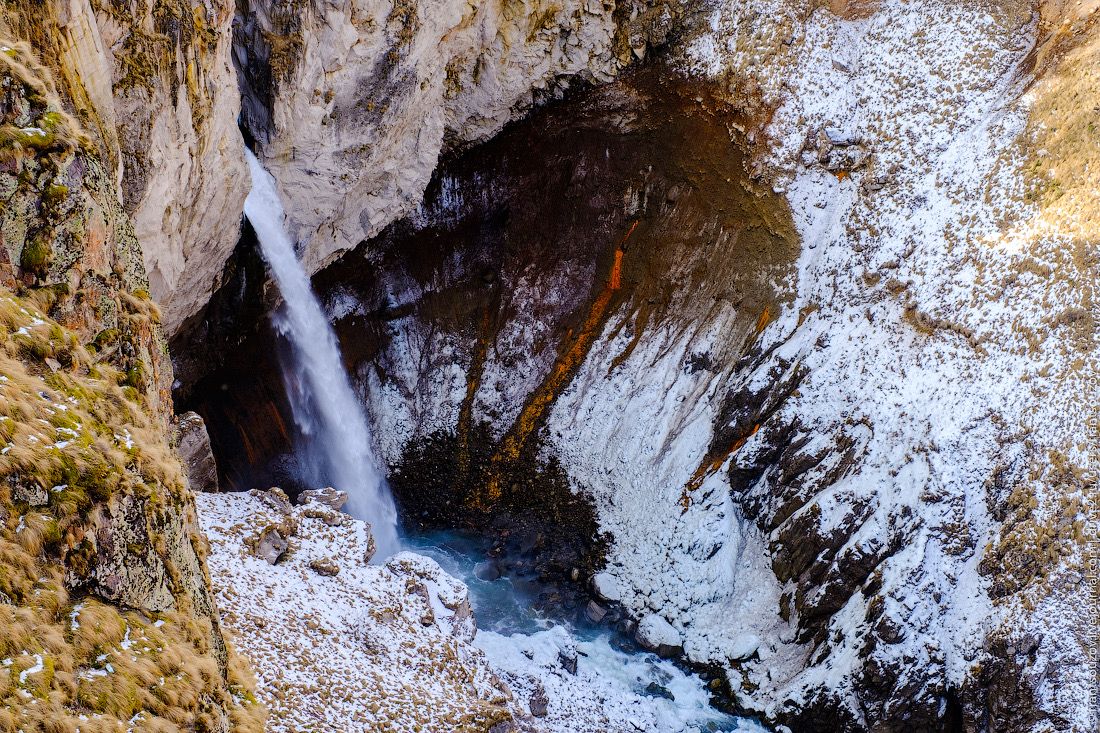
x=72, y=444
x=370, y=648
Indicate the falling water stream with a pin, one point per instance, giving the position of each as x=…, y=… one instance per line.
x=335, y=449
x=336, y=441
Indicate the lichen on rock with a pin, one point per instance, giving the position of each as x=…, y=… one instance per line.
x=108, y=525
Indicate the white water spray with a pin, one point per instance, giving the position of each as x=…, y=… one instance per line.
x=337, y=448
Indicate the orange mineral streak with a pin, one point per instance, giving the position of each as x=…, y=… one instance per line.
x=763, y=321
x=563, y=368
x=473, y=383
x=477, y=369
x=277, y=418
x=711, y=464
x=615, y=281
x=248, y=449
x=567, y=362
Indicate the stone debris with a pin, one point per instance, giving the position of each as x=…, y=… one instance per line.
x=346, y=642
x=324, y=566
x=328, y=496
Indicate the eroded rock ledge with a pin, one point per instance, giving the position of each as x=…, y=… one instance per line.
x=353, y=103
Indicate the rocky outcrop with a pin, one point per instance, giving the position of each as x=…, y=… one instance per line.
x=104, y=587
x=354, y=103
x=362, y=646
x=102, y=577
x=893, y=485
x=193, y=445
x=152, y=86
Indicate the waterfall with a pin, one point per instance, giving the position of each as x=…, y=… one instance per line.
x=336, y=449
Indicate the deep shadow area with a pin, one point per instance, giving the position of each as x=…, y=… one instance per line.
x=616, y=210
x=539, y=531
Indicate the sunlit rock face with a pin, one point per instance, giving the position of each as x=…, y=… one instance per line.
x=153, y=87
x=353, y=102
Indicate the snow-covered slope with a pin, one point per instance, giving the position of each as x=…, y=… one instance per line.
x=834, y=414
x=932, y=335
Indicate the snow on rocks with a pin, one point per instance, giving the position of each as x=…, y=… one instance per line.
x=606, y=587
x=368, y=648
x=908, y=323
x=658, y=635
x=601, y=692
x=396, y=647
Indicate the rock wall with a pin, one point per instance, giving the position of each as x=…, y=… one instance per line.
x=152, y=85
x=107, y=607
x=851, y=475
x=354, y=102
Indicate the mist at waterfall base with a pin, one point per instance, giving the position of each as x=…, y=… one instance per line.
x=335, y=441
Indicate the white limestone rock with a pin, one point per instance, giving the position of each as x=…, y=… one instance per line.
x=369, y=93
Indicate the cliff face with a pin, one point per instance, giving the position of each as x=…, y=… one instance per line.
x=152, y=86
x=852, y=474
x=354, y=102
x=806, y=319
x=108, y=610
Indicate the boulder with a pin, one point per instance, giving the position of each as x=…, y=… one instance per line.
x=276, y=499
x=658, y=635
x=606, y=587
x=567, y=657
x=487, y=570
x=327, y=496
x=195, y=453
x=447, y=599
x=324, y=566
x=270, y=544
x=538, y=702
x=594, y=612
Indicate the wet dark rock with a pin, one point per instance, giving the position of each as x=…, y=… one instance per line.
x=594, y=612
x=655, y=690
x=539, y=530
x=487, y=570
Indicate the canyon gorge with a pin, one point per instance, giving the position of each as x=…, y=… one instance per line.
x=731, y=365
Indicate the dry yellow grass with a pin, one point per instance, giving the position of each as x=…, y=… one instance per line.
x=73, y=434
